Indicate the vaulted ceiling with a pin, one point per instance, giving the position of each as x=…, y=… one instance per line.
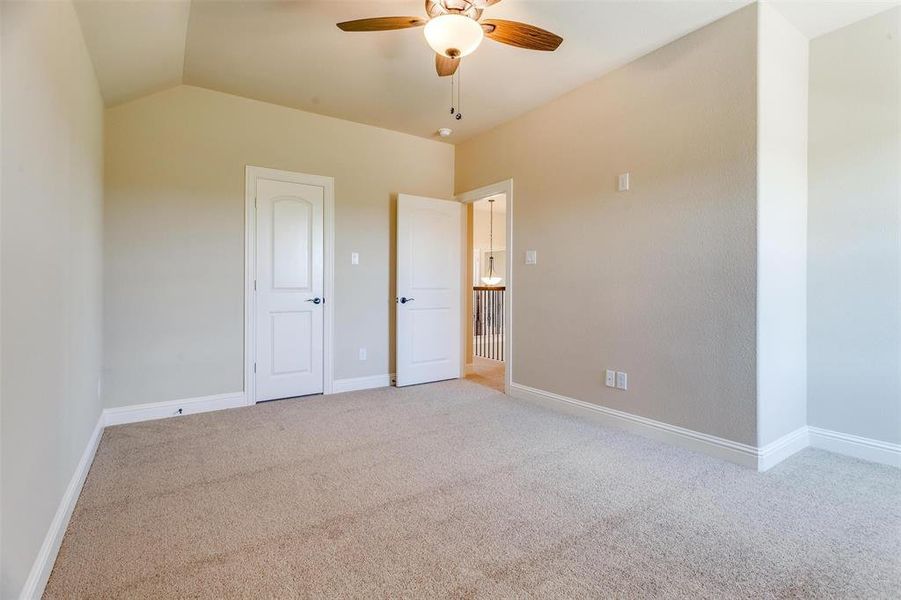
x=291, y=53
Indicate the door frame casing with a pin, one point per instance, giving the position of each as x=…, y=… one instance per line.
x=251, y=174
x=501, y=187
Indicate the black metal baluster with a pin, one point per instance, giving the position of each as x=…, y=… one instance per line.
x=503, y=326
x=481, y=325
x=490, y=324
x=494, y=325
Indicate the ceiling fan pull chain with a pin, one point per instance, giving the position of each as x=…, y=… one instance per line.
x=459, y=74
x=452, y=95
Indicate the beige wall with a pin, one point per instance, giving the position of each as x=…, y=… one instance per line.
x=50, y=276
x=481, y=224
x=854, y=293
x=174, y=215
x=658, y=281
x=781, y=226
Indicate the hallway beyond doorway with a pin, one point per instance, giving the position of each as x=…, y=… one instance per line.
x=487, y=372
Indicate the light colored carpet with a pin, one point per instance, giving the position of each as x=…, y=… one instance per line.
x=487, y=372
x=453, y=490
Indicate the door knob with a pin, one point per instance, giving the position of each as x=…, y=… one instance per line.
x=315, y=300
x=404, y=300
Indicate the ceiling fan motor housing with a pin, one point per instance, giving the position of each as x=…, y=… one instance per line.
x=436, y=8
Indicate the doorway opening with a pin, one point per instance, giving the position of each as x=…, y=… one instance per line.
x=487, y=318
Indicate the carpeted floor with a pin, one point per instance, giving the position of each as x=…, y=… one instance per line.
x=454, y=490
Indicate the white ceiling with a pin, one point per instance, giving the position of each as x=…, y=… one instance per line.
x=291, y=53
x=816, y=17
x=138, y=46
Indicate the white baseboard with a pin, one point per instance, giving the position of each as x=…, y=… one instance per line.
x=742, y=454
x=885, y=453
x=170, y=408
x=43, y=563
x=760, y=458
x=775, y=452
x=361, y=383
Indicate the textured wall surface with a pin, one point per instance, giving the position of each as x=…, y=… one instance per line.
x=174, y=217
x=52, y=192
x=854, y=294
x=658, y=281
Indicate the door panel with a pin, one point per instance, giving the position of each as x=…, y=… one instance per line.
x=292, y=234
x=289, y=258
x=429, y=238
x=292, y=334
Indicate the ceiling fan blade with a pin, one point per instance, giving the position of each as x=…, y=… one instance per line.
x=521, y=35
x=382, y=23
x=446, y=66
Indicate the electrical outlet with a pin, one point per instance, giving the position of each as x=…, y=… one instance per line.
x=354, y=258
x=622, y=380
x=362, y=353
x=622, y=182
x=610, y=378
x=531, y=257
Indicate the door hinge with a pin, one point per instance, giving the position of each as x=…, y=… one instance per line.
x=254, y=367
x=254, y=285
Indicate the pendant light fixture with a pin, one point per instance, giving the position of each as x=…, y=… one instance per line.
x=491, y=278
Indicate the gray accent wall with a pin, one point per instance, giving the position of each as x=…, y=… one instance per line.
x=50, y=270
x=854, y=229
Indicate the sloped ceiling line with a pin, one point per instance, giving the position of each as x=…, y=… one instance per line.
x=291, y=53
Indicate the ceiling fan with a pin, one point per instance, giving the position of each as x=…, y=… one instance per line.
x=453, y=29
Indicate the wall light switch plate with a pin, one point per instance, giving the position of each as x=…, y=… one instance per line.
x=354, y=258
x=622, y=380
x=622, y=182
x=531, y=257
x=362, y=353
x=610, y=378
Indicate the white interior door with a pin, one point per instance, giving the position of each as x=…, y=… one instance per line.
x=289, y=289
x=429, y=240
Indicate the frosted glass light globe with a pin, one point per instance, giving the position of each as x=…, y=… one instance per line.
x=453, y=35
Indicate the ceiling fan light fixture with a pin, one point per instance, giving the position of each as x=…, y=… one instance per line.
x=453, y=35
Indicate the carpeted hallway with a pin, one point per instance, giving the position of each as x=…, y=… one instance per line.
x=454, y=490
